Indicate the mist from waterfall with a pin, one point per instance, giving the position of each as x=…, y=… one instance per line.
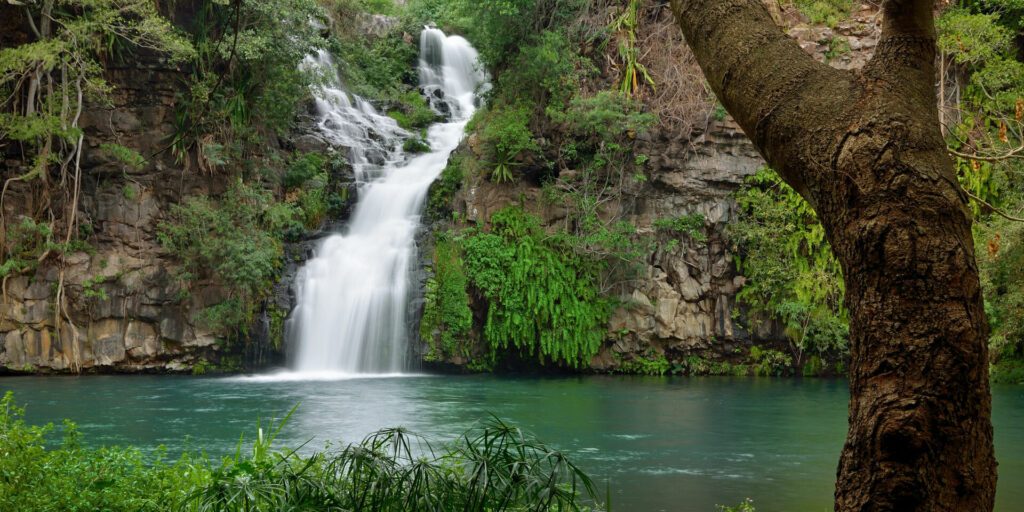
x=353, y=296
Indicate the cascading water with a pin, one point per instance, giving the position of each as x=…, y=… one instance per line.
x=353, y=296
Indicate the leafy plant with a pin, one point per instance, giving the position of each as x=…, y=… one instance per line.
x=825, y=12
x=415, y=145
x=491, y=467
x=507, y=133
x=791, y=272
x=236, y=240
x=447, y=318
x=542, y=297
x=442, y=190
x=690, y=225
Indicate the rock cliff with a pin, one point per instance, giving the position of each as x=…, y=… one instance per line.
x=684, y=303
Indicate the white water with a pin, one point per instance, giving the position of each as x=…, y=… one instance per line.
x=353, y=296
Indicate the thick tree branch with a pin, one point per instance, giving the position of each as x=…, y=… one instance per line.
x=905, y=56
x=865, y=149
x=762, y=77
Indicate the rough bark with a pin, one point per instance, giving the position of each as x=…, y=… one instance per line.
x=865, y=149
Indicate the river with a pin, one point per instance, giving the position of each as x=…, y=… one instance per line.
x=660, y=443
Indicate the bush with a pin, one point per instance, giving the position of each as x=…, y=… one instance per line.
x=691, y=225
x=411, y=111
x=542, y=297
x=506, y=133
x=303, y=168
x=791, y=272
x=236, y=241
x=447, y=319
x=493, y=466
x=415, y=145
x=827, y=12
x=442, y=190
x=72, y=477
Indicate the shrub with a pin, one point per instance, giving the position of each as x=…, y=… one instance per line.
x=506, y=131
x=542, y=297
x=415, y=145
x=236, y=241
x=827, y=12
x=412, y=112
x=303, y=168
x=447, y=319
x=791, y=272
x=442, y=190
x=691, y=225
x=493, y=466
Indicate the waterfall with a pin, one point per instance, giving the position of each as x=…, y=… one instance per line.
x=353, y=295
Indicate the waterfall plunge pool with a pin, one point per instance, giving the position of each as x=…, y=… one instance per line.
x=661, y=443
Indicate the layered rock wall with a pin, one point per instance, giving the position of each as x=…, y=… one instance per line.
x=684, y=303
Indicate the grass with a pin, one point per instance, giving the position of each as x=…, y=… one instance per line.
x=492, y=467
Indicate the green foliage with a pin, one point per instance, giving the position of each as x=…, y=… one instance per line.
x=972, y=38
x=380, y=68
x=91, y=288
x=979, y=40
x=442, y=190
x=767, y=362
x=415, y=145
x=236, y=240
x=303, y=168
x=605, y=117
x=125, y=155
x=827, y=12
x=691, y=225
x=791, y=272
x=25, y=241
x=412, y=112
x=493, y=466
x=249, y=78
x=697, y=365
x=1001, y=260
x=45, y=83
x=546, y=73
x=498, y=28
x=653, y=364
x=634, y=74
x=277, y=325
x=746, y=506
x=306, y=184
x=507, y=134
x=542, y=297
x=71, y=477
x=447, y=319
x=837, y=47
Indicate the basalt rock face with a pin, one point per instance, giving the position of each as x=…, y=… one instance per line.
x=684, y=304
x=126, y=310
x=122, y=296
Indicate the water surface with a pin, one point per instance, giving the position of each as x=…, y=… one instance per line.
x=661, y=443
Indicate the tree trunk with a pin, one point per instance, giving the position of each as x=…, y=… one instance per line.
x=865, y=149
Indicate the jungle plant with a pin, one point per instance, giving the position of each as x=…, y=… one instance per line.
x=447, y=318
x=236, y=241
x=542, y=297
x=507, y=134
x=634, y=74
x=791, y=273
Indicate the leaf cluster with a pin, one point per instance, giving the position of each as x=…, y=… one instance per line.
x=542, y=297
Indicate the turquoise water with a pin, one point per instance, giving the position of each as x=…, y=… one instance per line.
x=660, y=443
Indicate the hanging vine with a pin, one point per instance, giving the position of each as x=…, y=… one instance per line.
x=45, y=85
